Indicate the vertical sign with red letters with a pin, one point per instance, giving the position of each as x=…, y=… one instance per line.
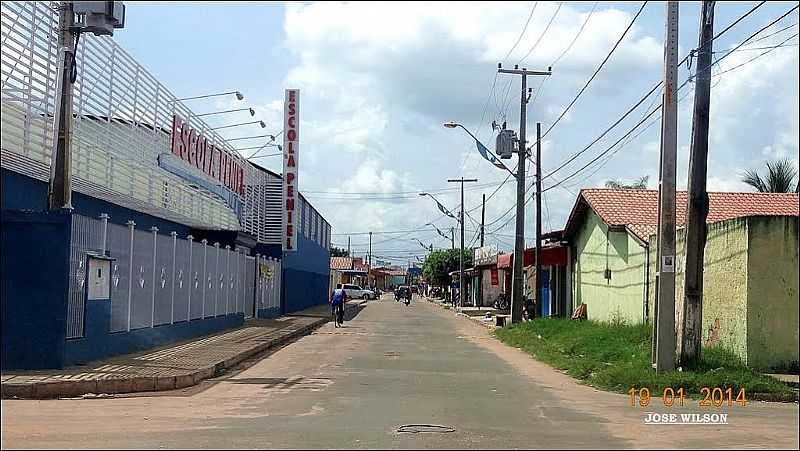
x=291, y=149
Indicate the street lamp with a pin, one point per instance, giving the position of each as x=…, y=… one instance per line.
x=519, y=245
x=271, y=137
x=252, y=112
x=439, y=204
x=261, y=123
x=238, y=95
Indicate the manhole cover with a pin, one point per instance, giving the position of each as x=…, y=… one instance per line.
x=425, y=428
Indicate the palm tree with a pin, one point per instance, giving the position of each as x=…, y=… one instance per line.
x=640, y=183
x=779, y=178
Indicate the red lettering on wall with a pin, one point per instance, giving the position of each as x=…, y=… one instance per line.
x=290, y=162
x=176, y=142
x=193, y=143
x=290, y=205
x=291, y=135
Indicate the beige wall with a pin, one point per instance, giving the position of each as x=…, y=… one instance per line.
x=773, y=305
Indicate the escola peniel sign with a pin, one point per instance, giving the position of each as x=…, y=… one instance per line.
x=291, y=149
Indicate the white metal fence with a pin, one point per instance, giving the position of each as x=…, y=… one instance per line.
x=159, y=279
x=122, y=121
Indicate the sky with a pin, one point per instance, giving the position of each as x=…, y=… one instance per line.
x=378, y=80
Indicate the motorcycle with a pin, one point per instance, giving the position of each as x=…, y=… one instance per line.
x=529, y=311
x=502, y=302
x=407, y=301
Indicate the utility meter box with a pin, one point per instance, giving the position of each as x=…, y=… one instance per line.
x=504, y=147
x=98, y=277
x=99, y=18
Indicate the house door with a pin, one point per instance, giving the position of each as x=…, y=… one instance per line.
x=545, y=292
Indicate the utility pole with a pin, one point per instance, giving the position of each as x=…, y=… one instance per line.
x=691, y=327
x=461, y=254
x=538, y=248
x=348, y=246
x=483, y=217
x=519, y=245
x=369, y=260
x=665, y=326
x=60, y=195
x=452, y=239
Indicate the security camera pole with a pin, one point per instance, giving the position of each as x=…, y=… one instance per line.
x=60, y=195
x=98, y=18
x=519, y=245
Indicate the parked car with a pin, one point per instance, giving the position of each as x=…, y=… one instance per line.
x=356, y=292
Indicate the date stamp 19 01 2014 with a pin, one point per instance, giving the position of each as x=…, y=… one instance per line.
x=709, y=397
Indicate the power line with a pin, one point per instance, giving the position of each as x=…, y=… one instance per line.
x=679, y=88
x=577, y=35
x=522, y=33
x=652, y=90
x=605, y=60
x=506, y=97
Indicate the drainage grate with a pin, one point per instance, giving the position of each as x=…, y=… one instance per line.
x=425, y=429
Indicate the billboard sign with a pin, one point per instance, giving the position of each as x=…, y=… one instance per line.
x=486, y=255
x=291, y=152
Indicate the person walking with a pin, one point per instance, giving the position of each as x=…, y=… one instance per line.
x=338, y=298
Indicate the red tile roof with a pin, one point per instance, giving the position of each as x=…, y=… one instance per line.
x=638, y=209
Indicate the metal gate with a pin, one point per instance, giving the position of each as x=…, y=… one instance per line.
x=158, y=279
x=268, y=285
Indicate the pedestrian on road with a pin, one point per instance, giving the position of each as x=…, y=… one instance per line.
x=338, y=298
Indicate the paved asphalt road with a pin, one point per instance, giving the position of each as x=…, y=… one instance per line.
x=354, y=387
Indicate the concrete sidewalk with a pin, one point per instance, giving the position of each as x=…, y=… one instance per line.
x=171, y=367
x=475, y=319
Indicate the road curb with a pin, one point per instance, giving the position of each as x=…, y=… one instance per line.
x=121, y=385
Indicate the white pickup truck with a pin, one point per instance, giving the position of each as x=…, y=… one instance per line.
x=356, y=292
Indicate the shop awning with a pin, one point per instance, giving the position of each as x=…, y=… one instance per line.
x=551, y=256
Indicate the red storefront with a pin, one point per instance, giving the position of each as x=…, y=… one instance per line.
x=555, y=292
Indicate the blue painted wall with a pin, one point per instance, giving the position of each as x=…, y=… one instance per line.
x=34, y=253
x=98, y=343
x=306, y=275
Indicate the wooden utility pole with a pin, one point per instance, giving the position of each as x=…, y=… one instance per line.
x=461, y=254
x=483, y=217
x=538, y=294
x=452, y=238
x=690, y=329
x=665, y=327
x=517, y=283
x=60, y=195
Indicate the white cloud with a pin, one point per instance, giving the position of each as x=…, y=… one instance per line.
x=378, y=79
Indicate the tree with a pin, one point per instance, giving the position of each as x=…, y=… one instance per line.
x=440, y=263
x=779, y=178
x=338, y=252
x=640, y=183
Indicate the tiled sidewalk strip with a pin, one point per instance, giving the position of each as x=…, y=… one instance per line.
x=169, y=368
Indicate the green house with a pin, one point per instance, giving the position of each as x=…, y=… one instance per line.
x=751, y=266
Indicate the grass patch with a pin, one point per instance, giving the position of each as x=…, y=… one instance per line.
x=617, y=357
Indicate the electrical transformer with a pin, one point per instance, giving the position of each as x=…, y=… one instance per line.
x=505, y=143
